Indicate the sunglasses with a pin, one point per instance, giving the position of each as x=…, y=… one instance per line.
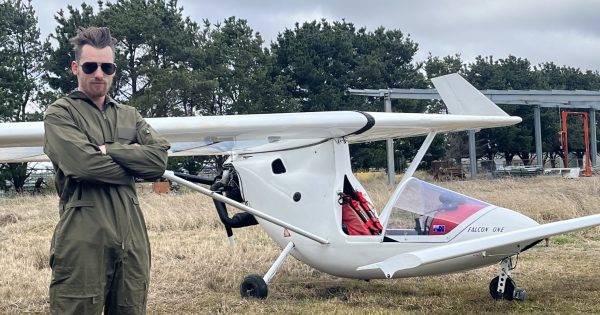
x=91, y=67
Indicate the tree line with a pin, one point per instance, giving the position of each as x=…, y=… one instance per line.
x=170, y=65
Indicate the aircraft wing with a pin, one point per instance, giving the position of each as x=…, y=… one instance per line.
x=215, y=135
x=242, y=134
x=506, y=244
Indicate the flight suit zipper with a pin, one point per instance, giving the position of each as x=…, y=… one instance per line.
x=122, y=218
x=107, y=128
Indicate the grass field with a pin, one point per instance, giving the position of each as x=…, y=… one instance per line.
x=194, y=271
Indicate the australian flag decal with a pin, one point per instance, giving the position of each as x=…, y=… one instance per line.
x=439, y=228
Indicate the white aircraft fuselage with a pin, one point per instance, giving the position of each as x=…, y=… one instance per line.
x=317, y=173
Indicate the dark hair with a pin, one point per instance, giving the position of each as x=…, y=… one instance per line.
x=98, y=37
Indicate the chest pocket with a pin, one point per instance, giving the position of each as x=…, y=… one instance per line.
x=126, y=126
x=127, y=135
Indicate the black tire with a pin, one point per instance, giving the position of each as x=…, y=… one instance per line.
x=254, y=286
x=509, y=289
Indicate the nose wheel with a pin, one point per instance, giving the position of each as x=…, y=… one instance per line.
x=503, y=287
x=255, y=286
x=511, y=292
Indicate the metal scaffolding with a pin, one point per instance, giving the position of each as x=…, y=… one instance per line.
x=578, y=99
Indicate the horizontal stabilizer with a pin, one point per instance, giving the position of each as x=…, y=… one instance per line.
x=508, y=243
x=461, y=98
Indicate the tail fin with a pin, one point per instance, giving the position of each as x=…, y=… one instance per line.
x=461, y=98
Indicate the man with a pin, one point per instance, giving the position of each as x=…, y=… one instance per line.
x=100, y=253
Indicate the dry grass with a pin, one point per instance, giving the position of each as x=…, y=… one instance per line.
x=194, y=271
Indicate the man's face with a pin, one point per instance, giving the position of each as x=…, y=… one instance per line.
x=96, y=84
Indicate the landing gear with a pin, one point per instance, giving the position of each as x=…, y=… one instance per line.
x=503, y=287
x=509, y=288
x=255, y=286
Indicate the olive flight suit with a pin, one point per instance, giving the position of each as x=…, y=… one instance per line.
x=100, y=253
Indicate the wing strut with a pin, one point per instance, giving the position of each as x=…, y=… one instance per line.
x=385, y=213
x=171, y=176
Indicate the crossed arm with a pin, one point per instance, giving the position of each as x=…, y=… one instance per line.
x=110, y=163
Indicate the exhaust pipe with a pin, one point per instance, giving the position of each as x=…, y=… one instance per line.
x=239, y=220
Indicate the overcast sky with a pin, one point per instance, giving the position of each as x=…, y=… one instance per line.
x=566, y=32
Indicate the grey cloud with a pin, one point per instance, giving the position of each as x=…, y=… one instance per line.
x=566, y=32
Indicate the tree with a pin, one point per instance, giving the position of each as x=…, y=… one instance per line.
x=21, y=58
x=452, y=146
x=318, y=61
x=565, y=78
x=502, y=74
x=58, y=65
x=16, y=173
x=239, y=70
x=517, y=73
x=154, y=49
x=191, y=165
x=321, y=60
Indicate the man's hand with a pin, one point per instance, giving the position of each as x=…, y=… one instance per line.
x=103, y=147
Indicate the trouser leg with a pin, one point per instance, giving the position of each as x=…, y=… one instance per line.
x=129, y=287
x=78, y=258
x=126, y=295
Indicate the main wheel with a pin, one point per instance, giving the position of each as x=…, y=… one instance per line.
x=509, y=289
x=254, y=286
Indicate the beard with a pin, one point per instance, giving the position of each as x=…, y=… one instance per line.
x=96, y=88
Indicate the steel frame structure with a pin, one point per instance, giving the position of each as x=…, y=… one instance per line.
x=578, y=99
x=564, y=139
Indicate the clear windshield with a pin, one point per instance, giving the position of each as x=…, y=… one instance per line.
x=425, y=209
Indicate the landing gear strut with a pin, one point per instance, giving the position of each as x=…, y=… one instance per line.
x=255, y=286
x=503, y=287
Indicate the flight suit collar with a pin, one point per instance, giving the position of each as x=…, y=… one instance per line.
x=78, y=95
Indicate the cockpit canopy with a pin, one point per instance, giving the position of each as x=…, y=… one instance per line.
x=425, y=209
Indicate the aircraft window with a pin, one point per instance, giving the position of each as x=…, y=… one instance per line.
x=278, y=167
x=425, y=209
